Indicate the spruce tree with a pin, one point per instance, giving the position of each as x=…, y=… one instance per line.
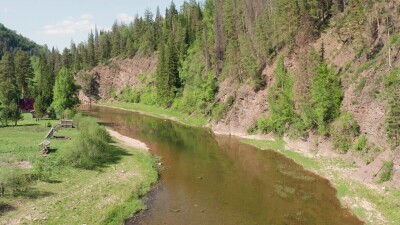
x=91, y=57
x=326, y=97
x=8, y=87
x=23, y=73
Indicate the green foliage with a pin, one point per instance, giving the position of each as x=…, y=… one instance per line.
x=91, y=148
x=219, y=111
x=8, y=90
x=200, y=86
x=362, y=68
x=167, y=79
x=39, y=106
x=129, y=94
x=12, y=40
x=392, y=86
x=69, y=114
x=65, y=91
x=360, y=86
x=14, y=182
x=361, y=143
x=326, y=98
x=23, y=73
x=387, y=171
x=344, y=130
x=52, y=113
x=280, y=99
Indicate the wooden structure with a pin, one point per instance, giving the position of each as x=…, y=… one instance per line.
x=26, y=105
x=66, y=123
x=45, y=145
x=50, y=134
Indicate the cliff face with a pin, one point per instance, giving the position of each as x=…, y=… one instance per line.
x=118, y=74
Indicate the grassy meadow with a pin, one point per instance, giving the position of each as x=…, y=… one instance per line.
x=63, y=194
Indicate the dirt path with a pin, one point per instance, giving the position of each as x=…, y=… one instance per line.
x=127, y=141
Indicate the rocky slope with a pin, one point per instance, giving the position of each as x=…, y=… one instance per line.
x=359, y=54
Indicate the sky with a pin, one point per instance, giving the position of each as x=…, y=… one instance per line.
x=57, y=22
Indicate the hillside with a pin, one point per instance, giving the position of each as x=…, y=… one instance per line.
x=11, y=41
x=232, y=79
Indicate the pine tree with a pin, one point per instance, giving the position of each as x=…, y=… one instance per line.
x=45, y=82
x=8, y=88
x=116, y=40
x=326, y=97
x=91, y=57
x=23, y=73
x=66, y=58
x=105, y=47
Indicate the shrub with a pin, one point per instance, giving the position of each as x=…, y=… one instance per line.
x=68, y=114
x=91, y=148
x=360, y=86
x=386, y=173
x=149, y=97
x=344, y=130
x=14, y=182
x=361, y=143
x=219, y=111
x=129, y=94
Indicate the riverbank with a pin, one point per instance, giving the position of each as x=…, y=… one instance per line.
x=157, y=112
x=105, y=195
x=370, y=202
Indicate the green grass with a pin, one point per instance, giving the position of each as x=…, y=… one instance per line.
x=69, y=195
x=279, y=145
x=386, y=173
x=352, y=193
x=159, y=112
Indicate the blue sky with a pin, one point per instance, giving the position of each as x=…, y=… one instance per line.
x=57, y=22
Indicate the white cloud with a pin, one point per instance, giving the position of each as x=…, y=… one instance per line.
x=87, y=17
x=6, y=10
x=124, y=18
x=70, y=25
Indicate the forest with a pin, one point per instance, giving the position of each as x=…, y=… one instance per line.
x=201, y=44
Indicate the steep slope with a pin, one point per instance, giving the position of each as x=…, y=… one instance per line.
x=110, y=79
x=227, y=69
x=10, y=40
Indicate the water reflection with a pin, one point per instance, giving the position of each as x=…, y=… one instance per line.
x=219, y=180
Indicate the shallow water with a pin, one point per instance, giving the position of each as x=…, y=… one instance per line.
x=211, y=179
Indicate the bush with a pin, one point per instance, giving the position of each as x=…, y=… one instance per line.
x=68, y=114
x=14, y=182
x=386, y=173
x=149, y=97
x=344, y=130
x=129, y=94
x=219, y=111
x=91, y=148
x=361, y=143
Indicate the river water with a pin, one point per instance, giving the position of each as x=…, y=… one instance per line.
x=208, y=179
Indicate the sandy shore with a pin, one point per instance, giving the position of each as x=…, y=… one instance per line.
x=127, y=141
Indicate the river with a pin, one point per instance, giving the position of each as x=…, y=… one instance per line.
x=208, y=179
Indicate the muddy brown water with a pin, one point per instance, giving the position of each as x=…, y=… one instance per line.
x=210, y=179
